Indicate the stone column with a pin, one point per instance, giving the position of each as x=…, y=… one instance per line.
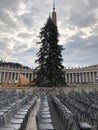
x=86, y=78
x=18, y=76
x=97, y=77
x=72, y=78
x=31, y=77
x=97, y=74
x=69, y=78
x=93, y=77
x=76, y=76
x=14, y=76
x=65, y=76
x=83, y=77
x=4, y=76
x=80, y=78
x=7, y=76
x=0, y=77
x=90, y=78
x=11, y=76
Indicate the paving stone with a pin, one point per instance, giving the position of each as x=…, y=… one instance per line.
x=31, y=124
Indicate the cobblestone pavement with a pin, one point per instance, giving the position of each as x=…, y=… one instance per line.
x=31, y=124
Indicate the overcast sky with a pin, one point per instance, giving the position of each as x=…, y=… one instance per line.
x=21, y=21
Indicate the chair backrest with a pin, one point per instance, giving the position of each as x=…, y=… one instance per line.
x=1, y=120
x=7, y=117
x=12, y=111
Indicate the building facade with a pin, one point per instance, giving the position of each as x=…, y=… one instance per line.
x=8, y=73
x=80, y=75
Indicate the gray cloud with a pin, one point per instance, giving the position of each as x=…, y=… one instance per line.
x=80, y=51
x=25, y=35
x=21, y=21
x=9, y=5
x=81, y=20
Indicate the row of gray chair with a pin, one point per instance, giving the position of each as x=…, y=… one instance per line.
x=82, y=103
x=77, y=110
x=43, y=116
x=66, y=116
x=15, y=116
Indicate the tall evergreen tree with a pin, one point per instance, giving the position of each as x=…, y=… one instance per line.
x=50, y=71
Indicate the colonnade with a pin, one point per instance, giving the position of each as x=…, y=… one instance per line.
x=72, y=75
x=11, y=74
x=81, y=76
